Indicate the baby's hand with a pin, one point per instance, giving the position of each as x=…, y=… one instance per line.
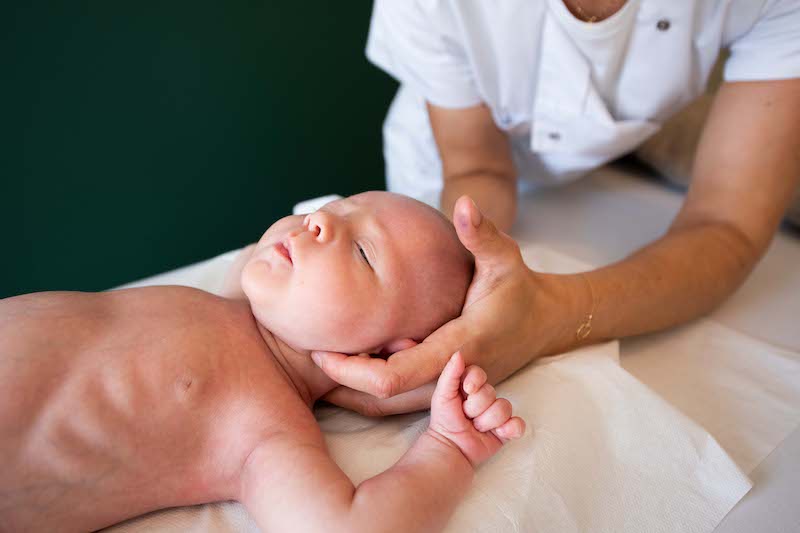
x=466, y=411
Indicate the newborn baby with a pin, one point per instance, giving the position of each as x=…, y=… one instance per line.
x=119, y=403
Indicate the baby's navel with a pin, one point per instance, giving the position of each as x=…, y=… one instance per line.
x=187, y=386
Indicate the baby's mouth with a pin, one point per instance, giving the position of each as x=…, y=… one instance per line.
x=284, y=248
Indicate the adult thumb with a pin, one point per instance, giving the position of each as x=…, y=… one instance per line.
x=479, y=235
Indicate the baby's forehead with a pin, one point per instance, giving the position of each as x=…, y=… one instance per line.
x=416, y=230
x=398, y=213
x=411, y=233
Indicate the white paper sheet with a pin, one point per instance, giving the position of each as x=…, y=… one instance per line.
x=605, y=455
x=744, y=391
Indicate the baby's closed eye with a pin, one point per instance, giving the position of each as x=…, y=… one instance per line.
x=363, y=254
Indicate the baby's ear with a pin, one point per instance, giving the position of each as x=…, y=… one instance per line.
x=397, y=345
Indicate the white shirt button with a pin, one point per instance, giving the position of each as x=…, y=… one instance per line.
x=663, y=25
x=554, y=136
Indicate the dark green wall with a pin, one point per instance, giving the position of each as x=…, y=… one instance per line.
x=137, y=137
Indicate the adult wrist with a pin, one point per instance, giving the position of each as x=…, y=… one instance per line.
x=564, y=302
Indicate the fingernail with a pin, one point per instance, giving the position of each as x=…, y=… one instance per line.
x=475, y=215
x=316, y=358
x=463, y=220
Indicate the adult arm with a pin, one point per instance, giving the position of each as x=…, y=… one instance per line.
x=747, y=167
x=292, y=484
x=476, y=161
x=746, y=170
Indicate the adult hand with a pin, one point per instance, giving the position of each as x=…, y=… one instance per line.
x=511, y=315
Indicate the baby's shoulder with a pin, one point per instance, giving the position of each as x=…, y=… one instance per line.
x=277, y=411
x=281, y=427
x=273, y=410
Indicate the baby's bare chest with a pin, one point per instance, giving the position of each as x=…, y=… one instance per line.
x=134, y=392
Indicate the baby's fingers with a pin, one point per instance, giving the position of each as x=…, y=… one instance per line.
x=495, y=416
x=477, y=403
x=474, y=378
x=448, y=386
x=513, y=428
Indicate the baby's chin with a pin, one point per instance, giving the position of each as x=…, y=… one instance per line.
x=303, y=339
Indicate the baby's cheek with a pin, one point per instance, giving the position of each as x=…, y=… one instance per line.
x=341, y=327
x=397, y=312
x=259, y=283
x=249, y=281
x=280, y=228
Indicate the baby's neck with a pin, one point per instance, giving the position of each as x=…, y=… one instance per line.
x=310, y=382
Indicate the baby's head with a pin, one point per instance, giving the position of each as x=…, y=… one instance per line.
x=366, y=273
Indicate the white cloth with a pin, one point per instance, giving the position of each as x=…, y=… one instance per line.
x=568, y=104
x=605, y=454
x=744, y=391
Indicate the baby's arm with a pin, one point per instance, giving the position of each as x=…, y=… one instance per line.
x=296, y=486
x=232, y=286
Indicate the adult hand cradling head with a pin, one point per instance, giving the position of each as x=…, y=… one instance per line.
x=499, y=328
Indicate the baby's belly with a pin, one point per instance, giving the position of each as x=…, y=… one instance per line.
x=112, y=413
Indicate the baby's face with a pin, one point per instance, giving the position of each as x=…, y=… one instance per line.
x=357, y=275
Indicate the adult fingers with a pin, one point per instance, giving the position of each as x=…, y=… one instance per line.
x=402, y=371
x=491, y=247
x=365, y=374
x=368, y=405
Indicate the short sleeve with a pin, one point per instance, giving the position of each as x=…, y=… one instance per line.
x=410, y=40
x=770, y=49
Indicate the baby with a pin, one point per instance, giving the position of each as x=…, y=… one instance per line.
x=118, y=403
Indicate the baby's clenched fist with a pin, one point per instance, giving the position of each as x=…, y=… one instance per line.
x=465, y=410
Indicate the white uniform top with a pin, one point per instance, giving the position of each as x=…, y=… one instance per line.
x=571, y=95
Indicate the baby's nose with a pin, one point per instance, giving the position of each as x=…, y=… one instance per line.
x=321, y=224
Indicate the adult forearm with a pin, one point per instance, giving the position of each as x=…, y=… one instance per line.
x=419, y=493
x=745, y=172
x=681, y=276
x=496, y=196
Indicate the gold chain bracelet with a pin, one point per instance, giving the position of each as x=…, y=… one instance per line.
x=585, y=328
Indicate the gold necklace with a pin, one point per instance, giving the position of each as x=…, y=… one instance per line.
x=591, y=19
